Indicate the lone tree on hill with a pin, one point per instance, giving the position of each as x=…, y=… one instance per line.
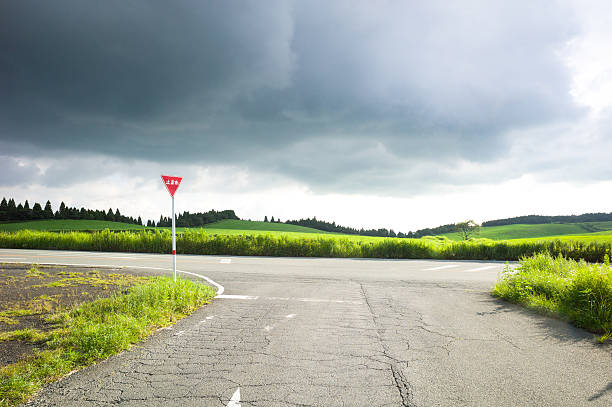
x=467, y=229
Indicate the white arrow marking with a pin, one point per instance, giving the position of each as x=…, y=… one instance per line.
x=235, y=400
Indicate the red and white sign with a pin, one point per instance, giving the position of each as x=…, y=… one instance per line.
x=171, y=183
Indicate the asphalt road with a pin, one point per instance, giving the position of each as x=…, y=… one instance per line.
x=341, y=332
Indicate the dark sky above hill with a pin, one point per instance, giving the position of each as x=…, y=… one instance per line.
x=334, y=109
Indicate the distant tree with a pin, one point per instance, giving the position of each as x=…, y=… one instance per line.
x=37, y=212
x=27, y=212
x=62, y=211
x=272, y=219
x=467, y=229
x=3, y=210
x=48, y=211
x=20, y=212
x=265, y=218
x=110, y=215
x=139, y=222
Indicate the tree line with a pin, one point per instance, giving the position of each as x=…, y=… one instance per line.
x=187, y=219
x=332, y=227
x=11, y=212
x=539, y=219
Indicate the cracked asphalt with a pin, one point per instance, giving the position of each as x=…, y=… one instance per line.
x=341, y=332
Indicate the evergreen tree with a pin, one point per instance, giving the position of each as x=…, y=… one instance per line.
x=12, y=210
x=109, y=215
x=27, y=212
x=272, y=219
x=139, y=222
x=20, y=212
x=62, y=211
x=37, y=212
x=48, y=212
x=265, y=218
x=3, y=210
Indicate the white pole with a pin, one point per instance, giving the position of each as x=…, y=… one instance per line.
x=173, y=244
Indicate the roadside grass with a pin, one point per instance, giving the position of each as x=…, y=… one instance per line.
x=573, y=290
x=313, y=245
x=96, y=330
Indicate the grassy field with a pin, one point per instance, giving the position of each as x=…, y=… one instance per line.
x=67, y=225
x=95, y=330
x=536, y=231
x=573, y=290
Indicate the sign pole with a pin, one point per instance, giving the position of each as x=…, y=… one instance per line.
x=172, y=184
x=173, y=243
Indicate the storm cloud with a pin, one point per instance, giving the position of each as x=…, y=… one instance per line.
x=341, y=96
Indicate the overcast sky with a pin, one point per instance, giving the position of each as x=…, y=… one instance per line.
x=397, y=114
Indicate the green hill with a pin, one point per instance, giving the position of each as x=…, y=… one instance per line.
x=68, y=224
x=543, y=230
x=225, y=226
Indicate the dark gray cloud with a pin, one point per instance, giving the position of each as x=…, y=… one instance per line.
x=337, y=94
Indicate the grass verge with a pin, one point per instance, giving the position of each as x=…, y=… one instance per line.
x=99, y=329
x=573, y=290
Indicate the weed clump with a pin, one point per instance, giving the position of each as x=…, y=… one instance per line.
x=575, y=290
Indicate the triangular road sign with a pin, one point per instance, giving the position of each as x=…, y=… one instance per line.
x=171, y=183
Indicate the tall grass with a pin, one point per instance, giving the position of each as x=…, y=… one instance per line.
x=201, y=242
x=96, y=330
x=575, y=290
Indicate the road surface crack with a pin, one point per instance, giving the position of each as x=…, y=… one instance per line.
x=401, y=382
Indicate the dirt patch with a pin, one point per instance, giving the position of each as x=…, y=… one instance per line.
x=30, y=294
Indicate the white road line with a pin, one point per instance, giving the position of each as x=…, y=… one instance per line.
x=268, y=328
x=238, y=297
x=290, y=316
x=448, y=266
x=482, y=268
x=220, y=288
x=179, y=333
x=225, y=261
x=210, y=317
x=235, y=400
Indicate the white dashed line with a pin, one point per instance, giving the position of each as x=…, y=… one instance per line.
x=179, y=333
x=225, y=261
x=449, y=266
x=483, y=268
x=238, y=297
x=290, y=316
